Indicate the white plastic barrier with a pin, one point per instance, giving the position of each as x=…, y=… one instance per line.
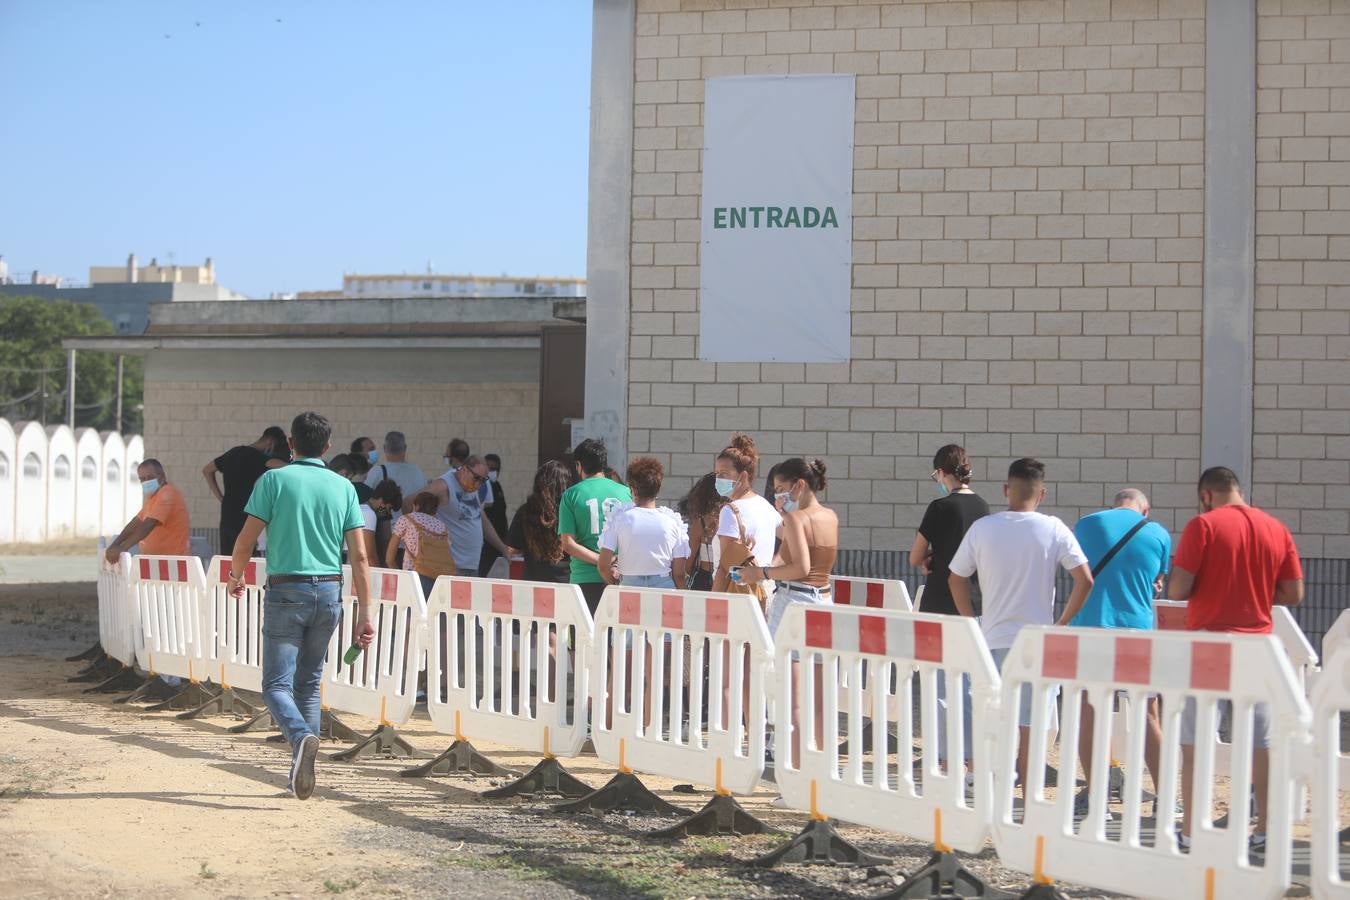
x=168, y=590
x=1330, y=697
x=117, y=620
x=648, y=638
x=233, y=626
x=498, y=664
x=382, y=683
x=875, y=593
x=871, y=787
x=1170, y=615
x=1336, y=635
x=1210, y=668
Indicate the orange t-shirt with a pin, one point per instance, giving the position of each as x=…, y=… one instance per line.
x=170, y=538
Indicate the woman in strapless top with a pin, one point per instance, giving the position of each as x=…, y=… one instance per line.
x=810, y=534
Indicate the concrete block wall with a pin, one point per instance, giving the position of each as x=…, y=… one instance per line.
x=1301, y=440
x=494, y=417
x=1028, y=247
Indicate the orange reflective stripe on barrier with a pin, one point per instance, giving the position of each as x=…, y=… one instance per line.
x=1140, y=856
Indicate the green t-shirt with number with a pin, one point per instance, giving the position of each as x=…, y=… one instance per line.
x=582, y=512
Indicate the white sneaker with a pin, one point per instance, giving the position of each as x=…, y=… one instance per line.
x=779, y=803
x=302, y=767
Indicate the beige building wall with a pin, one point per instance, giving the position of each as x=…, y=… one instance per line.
x=1301, y=445
x=1028, y=248
x=189, y=423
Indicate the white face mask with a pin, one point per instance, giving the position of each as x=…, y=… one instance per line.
x=724, y=486
x=492, y=475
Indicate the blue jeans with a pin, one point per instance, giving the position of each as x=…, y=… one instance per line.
x=298, y=621
x=648, y=581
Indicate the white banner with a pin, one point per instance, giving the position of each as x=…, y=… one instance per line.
x=777, y=233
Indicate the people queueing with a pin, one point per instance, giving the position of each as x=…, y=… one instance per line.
x=461, y=494
x=1016, y=553
x=384, y=499
x=1129, y=556
x=240, y=468
x=748, y=524
x=702, y=508
x=1233, y=564
x=393, y=463
x=309, y=512
x=161, y=528
x=426, y=542
x=582, y=513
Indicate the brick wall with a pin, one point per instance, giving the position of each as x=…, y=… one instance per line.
x=1301, y=445
x=1028, y=200
x=497, y=418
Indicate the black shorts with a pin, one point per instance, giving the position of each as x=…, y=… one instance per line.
x=593, y=591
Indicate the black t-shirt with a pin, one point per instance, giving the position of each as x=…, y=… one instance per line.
x=945, y=523
x=535, y=569
x=363, y=491
x=241, y=467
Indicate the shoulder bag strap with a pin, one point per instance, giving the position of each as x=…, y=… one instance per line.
x=1120, y=545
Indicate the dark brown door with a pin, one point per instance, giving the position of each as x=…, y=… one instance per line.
x=562, y=387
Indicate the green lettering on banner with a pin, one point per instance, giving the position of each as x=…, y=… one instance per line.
x=756, y=210
x=793, y=218
x=720, y=217
x=738, y=217
x=829, y=221
x=810, y=217
x=775, y=217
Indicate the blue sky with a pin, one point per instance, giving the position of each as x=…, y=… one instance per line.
x=364, y=137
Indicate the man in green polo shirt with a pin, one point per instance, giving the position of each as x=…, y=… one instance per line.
x=308, y=512
x=581, y=516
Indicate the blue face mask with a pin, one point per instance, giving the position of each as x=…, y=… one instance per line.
x=786, y=503
x=724, y=486
x=373, y=456
x=149, y=487
x=942, y=489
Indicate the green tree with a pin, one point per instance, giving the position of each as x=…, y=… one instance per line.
x=33, y=366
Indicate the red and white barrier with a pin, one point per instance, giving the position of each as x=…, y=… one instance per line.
x=1170, y=615
x=641, y=637
x=1329, y=771
x=167, y=592
x=871, y=787
x=1244, y=669
x=382, y=683
x=233, y=626
x=874, y=593
x=117, y=611
x=499, y=665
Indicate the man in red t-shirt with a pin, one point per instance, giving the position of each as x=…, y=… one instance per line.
x=1233, y=564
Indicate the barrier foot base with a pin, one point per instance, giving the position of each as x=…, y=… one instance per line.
x=124, y=680
x=892, y=742
x=819, y=842
x=383, y=741
x=623, y=791
x=548, y=777
x=93, y=652
x=226, y=703
x=100, y=669
x=943, y=876
x=461, y=757
x=152, y=690
x=331, y=728
x=194, y=694
x=1041, y=891
x=261, y=719
x=722, y=815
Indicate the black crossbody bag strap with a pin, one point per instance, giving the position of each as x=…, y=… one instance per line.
x=1120, y=545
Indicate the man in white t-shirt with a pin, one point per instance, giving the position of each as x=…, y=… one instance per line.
x=1016, y=553
x=409, y=477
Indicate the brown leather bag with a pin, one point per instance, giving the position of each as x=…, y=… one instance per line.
x=739, y=554
x=433, y=554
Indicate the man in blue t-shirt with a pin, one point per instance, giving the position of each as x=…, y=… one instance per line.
x=1125, y=582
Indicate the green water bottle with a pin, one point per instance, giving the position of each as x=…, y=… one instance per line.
x=352, y=653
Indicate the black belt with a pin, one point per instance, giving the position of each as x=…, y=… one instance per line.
x=299, y=579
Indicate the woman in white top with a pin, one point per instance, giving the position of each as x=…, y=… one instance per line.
x=758, y=520
x=387, y=496
x=650, y=542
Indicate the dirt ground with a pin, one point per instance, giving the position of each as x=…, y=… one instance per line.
x=102, y=800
